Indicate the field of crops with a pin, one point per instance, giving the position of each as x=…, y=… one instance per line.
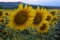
x=46, y=30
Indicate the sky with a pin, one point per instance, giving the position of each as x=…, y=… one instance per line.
x=37, y=2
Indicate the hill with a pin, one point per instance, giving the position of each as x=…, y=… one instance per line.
x=12, y=5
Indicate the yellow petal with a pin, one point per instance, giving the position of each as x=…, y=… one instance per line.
x=38, y=8
x=20, y=6
x=25, y=6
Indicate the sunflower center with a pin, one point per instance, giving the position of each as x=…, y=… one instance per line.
x=53, y=13
x=55, y=22
x=37, y=19
x=2, y=21
x=6, y=13
x=48, y=18
x=5, y=33
x=21, y=18
x=54, y=19
x=1, y=13
x=43, y=27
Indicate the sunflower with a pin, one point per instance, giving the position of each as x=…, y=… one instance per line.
x=53, y=12
x=6, y=14
x=39, y=17
x=21, y=19
x=1, y=13
x=44, y=27
x=49, y=18
x=54, y=23
x=4, y=32
x=55, y=18
x=9, y=12
x=2, y=20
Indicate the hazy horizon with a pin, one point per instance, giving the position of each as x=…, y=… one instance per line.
x=37, y=2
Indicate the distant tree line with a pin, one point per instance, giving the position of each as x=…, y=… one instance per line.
x=34, y=6
x=1, y=7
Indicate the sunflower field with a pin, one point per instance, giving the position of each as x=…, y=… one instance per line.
x=29, y=23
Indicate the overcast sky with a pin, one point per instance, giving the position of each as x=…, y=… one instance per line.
x=37, y=2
